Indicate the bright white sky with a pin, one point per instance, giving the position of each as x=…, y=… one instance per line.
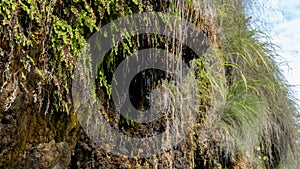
x=281, y=19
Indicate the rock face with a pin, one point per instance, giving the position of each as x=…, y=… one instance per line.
x=40, y=42
x=50, y=154
x=27, y=137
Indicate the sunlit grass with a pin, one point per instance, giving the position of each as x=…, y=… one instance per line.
x=258, y=118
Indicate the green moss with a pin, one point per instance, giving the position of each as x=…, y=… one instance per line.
x=258, y=113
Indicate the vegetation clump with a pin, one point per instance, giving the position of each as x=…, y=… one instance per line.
x=252, y=124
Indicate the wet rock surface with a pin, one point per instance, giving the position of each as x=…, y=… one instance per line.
x=39, y=44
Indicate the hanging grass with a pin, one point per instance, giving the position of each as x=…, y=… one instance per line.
x=259, y=119
x=247, y=116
